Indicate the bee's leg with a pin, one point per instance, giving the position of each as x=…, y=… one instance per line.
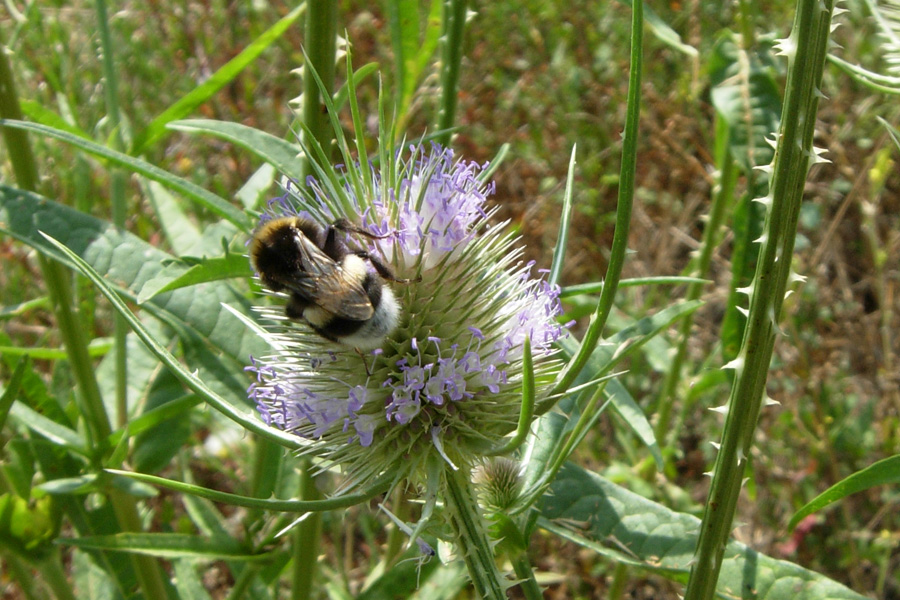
x=382, y=269
x=365, y=362
x=345, y=225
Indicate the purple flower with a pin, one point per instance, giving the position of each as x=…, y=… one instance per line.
x=447, y=381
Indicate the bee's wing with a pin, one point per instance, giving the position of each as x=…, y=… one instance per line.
x=326, y=284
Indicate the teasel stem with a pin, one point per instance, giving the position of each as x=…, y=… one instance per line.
x=806, y=50
x=473, y=543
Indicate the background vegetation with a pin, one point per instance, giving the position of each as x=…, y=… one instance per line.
x=540, y=77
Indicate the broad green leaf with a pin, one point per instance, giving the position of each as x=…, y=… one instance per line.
x=552, y=426
x=409, y=576
x=255, y=190
x=128, y=263
x=167, y=545
x=191, y=191
x=279, y=153
x=216, y=82
x=230, y=266
x=236, y=413
x=592, y=512
x=177, y=228
x=881, y=473
x=745, y=94
x=445, y=583
x=90, y=580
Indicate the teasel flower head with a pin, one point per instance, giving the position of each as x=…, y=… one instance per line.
x=446, y=383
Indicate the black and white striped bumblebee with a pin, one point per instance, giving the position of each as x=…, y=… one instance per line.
x=341, y=293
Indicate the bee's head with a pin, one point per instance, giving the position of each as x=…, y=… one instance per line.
x=275, y=252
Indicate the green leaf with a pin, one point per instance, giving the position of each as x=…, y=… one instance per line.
x=628, y=409
x=11, y=392
x=745, y=94
x=553, y=426
x=596, y=287
x=128, y=263
x=96, y=347
x=76, y=486
x=882, y=472
x=190, y=584
x=279, y=153
x=53, y=431
x=445, y=583
x=167, y=545
x=168, y=411
x=302, y=506
x=39, y=113
x=192, y=191
x=591, y=511
x=230, y=266
x=226, y=73
x=239, y=415
x=663, y=32
x=173, y=409
x=410, y=576
x=562, y=238
x=359, y=75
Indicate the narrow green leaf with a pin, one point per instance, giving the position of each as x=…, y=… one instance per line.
x=300, y=506
x=597, y=286
x=53, y=431
x=279, y=153
x=226, y=73
x=190, y=584
x=11, y=392
x=167, y=545
x=591, y=511
x=39, y=113
x=342, y=95
x=882, y=472
x=75, y=486
x=97, y=347
x=170, y=410
x=192, y=191
x=630, y=411
x=892, y=131
x=229, y=266
x=562, y=238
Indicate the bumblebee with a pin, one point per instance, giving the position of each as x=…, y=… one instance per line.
x=341, y=293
